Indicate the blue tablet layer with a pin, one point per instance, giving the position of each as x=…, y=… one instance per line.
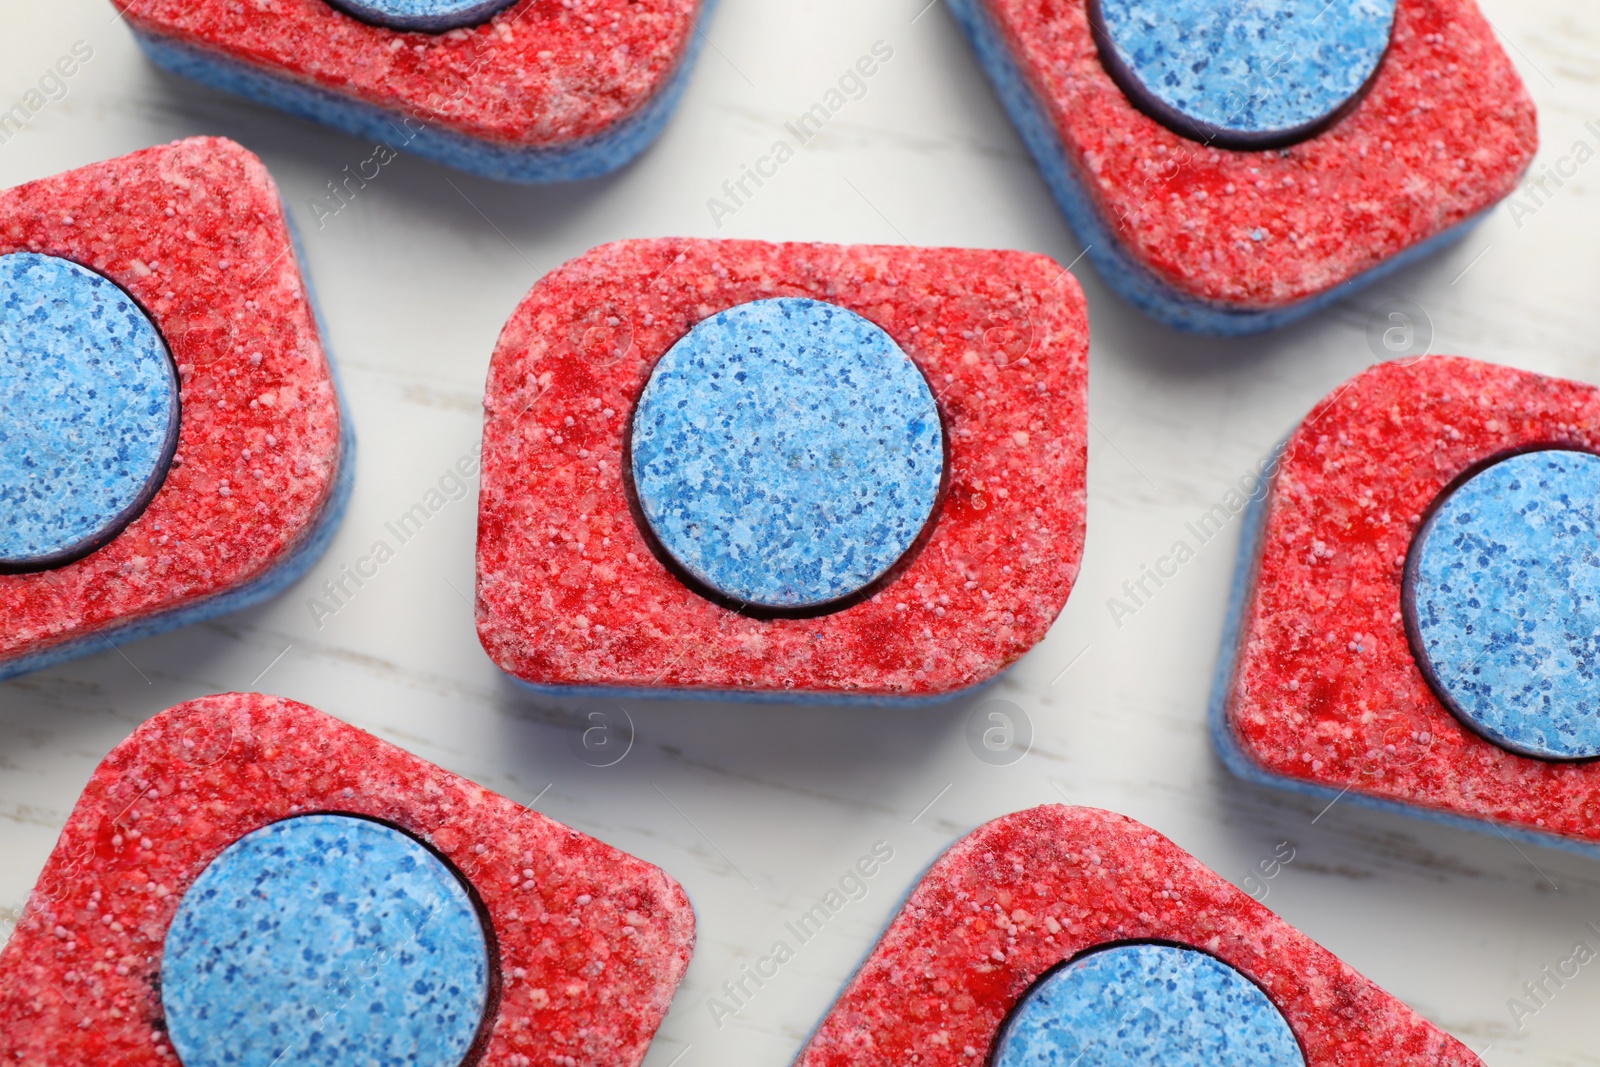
x=1244, y=75
x=1503, y=603
x=326, y=940
x=429, y=15
x=88, y=411
x=786, y=453
x=574, y=161
x=1145, y=1005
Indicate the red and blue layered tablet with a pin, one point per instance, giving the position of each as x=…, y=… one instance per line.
x=171, y=440
x=1415, y=613
x=1060, y=936
x=249, y=882
x=1230, y=168
x=807, y=472
x=520, y=90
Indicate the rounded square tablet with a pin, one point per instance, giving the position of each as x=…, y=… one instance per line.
x=1060, y=935
x=173, y=442
x=1231, y=168
x=248, y=881
x=520, y=90
x=1415, y=608
x=782, y=471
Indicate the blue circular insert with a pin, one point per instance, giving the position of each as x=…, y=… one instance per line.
x=786, y=453
x=1144, y=1005
x=88, y=411
x=1503, y=603
x=424, y=15
x=330, y=941
x=1243, y=73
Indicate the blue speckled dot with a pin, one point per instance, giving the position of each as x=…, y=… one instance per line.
x=1140, y=1005
x=425, y=15
x=88, y=411
x=1502, y=603
x=328, y=941
x=1244, y=73
x=786, y=452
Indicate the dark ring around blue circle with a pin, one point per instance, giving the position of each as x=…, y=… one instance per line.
x=775, y=331
x=388, y=923
x=1499, y=731
x=421, y=16
x=1262, y=1029
x=112, y=526
x=1147, y=101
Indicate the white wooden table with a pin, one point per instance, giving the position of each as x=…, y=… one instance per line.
x=765, y=806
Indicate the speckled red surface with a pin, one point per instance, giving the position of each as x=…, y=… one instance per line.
x=1326, y=689
x=540, y=72
x=569, y=593
x=195, y=232
x=1031, y=890
x=1445, y=132
x=592, y=942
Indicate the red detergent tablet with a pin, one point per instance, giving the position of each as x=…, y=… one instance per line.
x=520, y=90
x=172, y=445
x=782, y=471
x=248, y=881
x=1415, y=615
x=1061, y=935
x=1231, y=167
